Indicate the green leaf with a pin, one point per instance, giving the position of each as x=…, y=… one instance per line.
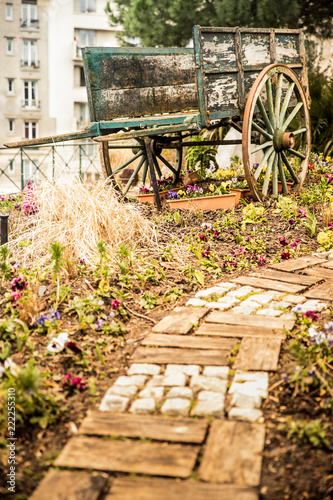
x=199, y=276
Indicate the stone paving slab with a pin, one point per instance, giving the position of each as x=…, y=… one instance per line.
x=297, y=279
x=148, y=426
x=268, y=284
x=258, y=354
x=128, y=456
x=324, y=273
x=233, y=453
x=187, y=342
x=328, y=264
x=164, y=355
x=253, y=320
x=237, y=331
x=297, y=264
x=130, y=488
x=69, y=485
x=180, y=321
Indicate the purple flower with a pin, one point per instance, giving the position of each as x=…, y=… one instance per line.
x=294, y=245
x=312, y=373
x=291, y=221
x=283, y=241
x=100, y=323
x=203, y=237
x=301, y=212
x=285, y=255
x=285, y=378
x=247, y=238
x=73, y=347
x=115, y=304
x=261, y=261
x=189, y=189
x=18, y=284
x=311, y=315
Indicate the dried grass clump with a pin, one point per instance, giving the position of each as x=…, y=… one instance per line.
x=78, y=216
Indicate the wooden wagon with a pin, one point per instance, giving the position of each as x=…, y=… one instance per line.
x=254, y=80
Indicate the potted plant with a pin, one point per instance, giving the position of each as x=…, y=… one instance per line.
x=240, y=188
x=194, y=198
x=146, y=193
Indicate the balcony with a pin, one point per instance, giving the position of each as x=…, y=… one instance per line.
x=30, y=64
x=31, y=105
x=29, y=24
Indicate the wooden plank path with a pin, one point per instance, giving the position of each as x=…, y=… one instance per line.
x=184, y=430
x=231, y=450
x=128, y=456
x=131, y=488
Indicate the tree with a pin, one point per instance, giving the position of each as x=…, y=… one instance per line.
x=167, y=23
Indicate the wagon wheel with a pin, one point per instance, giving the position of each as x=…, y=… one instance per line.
x=142, y=168
x=282, y=134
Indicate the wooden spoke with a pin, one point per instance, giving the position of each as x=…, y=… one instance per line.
x=262, y=162
x=290, y=168
x=268, y=174
x=270, y=102
x=282, y=175
x=286, y=102
x=263, y=113
x=262, y=131
x=278, y=100
x=131, y=179
x=292, y=116
x=144, y=172
x=166, y=163
x=262, y=146
x=128, y=162
x=277, y=110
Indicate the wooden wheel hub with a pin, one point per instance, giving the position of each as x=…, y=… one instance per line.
x=283, y=140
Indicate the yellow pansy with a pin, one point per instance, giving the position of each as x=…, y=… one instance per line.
x=323, y=238
x=328, y=158
x=211, y=188
x=181, y=193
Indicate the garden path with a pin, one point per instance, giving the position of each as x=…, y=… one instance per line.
x=149, y=420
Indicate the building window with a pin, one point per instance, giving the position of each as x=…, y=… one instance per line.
x=87, y=6
x=29, y=16
x=10, y=46
x=29, y=54
x=30, y=171
x=10, y=88
x=30, y=94
x=11, y=125
x=9, y=11
x=86, y=38
x=30, y=130
x=82, y=78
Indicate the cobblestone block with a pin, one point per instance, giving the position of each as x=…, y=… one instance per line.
x=245, y=414
x=242, y=291
x=126, y=392
x=221, y=306
x=143, y=405
x=261, y=298
x=114, y=403
x=227, y=285
x=280, y=304
x=214, y=384
x=216, y=371
x=152, y=392
x=189, y=370
x=228, y=301
x=251, y=302
x=138, y=380
x=210, y=395
x=174, y=379
x=243, y=310
x=180, y=392
x=143, y=369
x=246, y=397
x=275, y=313
x=209, y=407
x=196, y=302
x=295, y=299
x=310, y=305
x=176, y=407
x=214, y=290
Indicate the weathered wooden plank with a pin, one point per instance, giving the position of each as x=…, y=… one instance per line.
x=237, y=331
x=252, y=320
x=287, y=48
x=180, y=321
x=69, y=485
x=184, y=430
x=322, y=292
x=319, y=271
x=297, y=279
x=222, y=92
x=110, y=104
x=255, y=49
x=187, y=341
x=115, y=69
x=128, y=456
x=129, y=488
x=258, y=354
x=267, y=284
x=233, y=453
x=328, y=264
x=296, y=264
x=165, y=355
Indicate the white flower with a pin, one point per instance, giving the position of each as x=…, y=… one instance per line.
x=13, y=368
x=58, y=343
x=312, y=331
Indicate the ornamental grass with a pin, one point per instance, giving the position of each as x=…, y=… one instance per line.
x=78, y=216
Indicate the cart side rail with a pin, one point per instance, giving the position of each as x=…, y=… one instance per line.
x=228, y=60
x=133, y=82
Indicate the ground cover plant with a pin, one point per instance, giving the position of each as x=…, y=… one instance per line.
x=84, y=275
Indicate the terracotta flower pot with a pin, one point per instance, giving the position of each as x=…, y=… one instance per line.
x=240, y=193
x=289, y=186
x=150, y=197
x=225, y=201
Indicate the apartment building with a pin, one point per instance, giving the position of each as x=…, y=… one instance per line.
x=42, y=88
